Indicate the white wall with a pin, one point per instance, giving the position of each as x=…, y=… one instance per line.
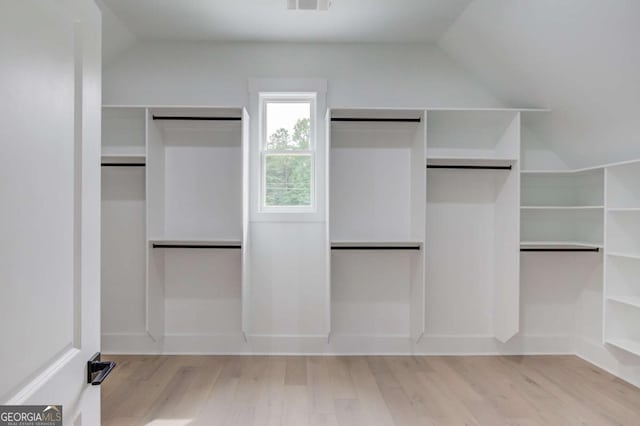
x=158, y=73
x=577, y=57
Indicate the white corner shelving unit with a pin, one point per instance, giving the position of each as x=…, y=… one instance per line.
x=622, y=257
x=473, y=195
x=591, y=209
x=562, y=208
x=376, y=222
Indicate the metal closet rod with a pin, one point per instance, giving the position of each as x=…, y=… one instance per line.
x=123, y=164
x=577, y=249
x=377, y=120
x=375, y=248
x=467, y=167
x=198, y=246
x=195, y=118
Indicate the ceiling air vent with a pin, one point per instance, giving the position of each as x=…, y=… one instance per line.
x=308, y=4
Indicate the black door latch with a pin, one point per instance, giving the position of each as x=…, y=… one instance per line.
x=98, y=370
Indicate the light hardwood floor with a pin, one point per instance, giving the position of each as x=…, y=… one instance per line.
x=362, y=391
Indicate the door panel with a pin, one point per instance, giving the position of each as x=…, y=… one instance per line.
x=49, y=208
x=37, y=188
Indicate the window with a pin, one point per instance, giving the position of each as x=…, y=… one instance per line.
x=288, y=152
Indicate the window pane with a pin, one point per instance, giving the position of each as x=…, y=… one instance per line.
x=288, y=180
x=288, y=125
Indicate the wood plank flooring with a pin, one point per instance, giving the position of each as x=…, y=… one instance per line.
x=238, y=390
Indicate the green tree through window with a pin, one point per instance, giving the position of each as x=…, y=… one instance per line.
x=288, y=176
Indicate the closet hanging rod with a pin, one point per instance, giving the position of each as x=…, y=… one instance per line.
x=123, y=164
x=198, y=246
x=576, y=249
x=375, y=248
x=195, y=118
x=376, y=120
x=467, y=167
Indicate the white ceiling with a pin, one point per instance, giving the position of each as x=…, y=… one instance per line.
x=369, y=21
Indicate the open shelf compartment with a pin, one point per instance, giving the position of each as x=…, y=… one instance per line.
x=195, y=213
x=472, y=216
x=123, y=132
x=564, y=226
x=622, y=327
x=623, y=191
x=377, y=180
x=580, y=190
x=475, y=136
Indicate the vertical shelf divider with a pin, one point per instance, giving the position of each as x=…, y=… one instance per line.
x=155, y=290
x=246, y=241
x=418, y=229
x=328, y=223
x=506, y=321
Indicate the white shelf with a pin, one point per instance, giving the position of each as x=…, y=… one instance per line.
x=628, y=345
x=624, y=209
x=625, y=255
x=561, y=207
x=583, y=170
x=627, y=300
x=559, y=245
x=123, y=159
x=470, y=161
x=454, y=109
x=355, y=244
x=125, y=150
x=195, y=243
x=562, y=171
x=547, y=172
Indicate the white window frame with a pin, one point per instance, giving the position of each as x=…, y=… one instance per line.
x=287, y=97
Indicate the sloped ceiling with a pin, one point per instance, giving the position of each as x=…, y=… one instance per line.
x=347, y=21
x=580, y=58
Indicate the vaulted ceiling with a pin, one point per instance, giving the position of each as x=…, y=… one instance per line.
x=577, y=57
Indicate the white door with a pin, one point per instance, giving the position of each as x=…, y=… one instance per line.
x=49, y=204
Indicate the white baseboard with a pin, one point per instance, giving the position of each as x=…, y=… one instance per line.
x=615, y=361
x=338, y=344
x=488, y=345
x=621, y=364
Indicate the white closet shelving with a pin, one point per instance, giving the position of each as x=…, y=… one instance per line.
x=472, y=224
x=412, y=247
x=562, y=209
x=473, y=137
x=622, y=264
x=123, y=215
x=195, y=218
x=587, y=209
x=376, y=222
x=192, y=225
x=123, y=131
